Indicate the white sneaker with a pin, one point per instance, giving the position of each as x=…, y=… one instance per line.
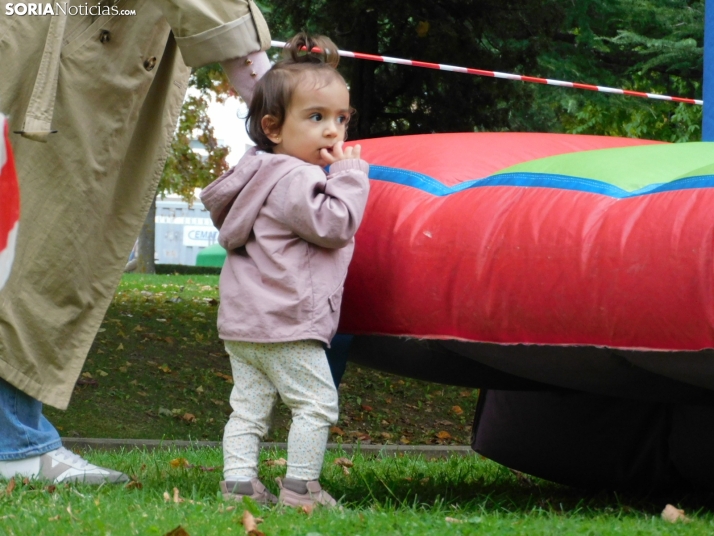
x=58, y=466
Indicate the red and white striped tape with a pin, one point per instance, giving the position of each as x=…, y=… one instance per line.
x=508, y=76
x=9, y=204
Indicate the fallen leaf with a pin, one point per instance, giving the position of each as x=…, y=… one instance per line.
x=366, y=408
x=207, y=469
x=10, y=486
x=672, y=514
x=465, y=394
x=165, y=368
x=102, y=373
x=457, y=410
x=226, y=377
x=120, y=347
x=51, y=488
x=250, y=524
x=279, y=461
x=453, y=520
x=307, y=509
x=386, y=435
x=404, y=441
x=199, y=389
x=167, y=497
x=55, y=518
x=134, y=484
x=344, y=462
x=337, y=431
x=170, y=340
x=189, y=417
x=178, y=531
x=86, y=375
x=443, y=435
x=123, y=369
x=345, y=470
x=179, y=462
x=176, y=497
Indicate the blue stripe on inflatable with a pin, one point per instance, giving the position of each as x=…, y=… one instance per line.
x=541, y=180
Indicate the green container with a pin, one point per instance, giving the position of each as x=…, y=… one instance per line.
x=213, y=255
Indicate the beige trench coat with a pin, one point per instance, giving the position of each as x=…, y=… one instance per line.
x=112, y=88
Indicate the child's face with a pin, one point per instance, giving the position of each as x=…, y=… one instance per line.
x=316, y=119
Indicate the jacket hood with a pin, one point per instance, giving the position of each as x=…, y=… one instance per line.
x=236, y=197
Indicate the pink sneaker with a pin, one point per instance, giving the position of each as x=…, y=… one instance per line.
x=314, y=495
x=235, y=491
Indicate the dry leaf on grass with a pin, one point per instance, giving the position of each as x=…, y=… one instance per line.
x=250, y=524
x=179, y=462
x=453, y=520
x=176, y=497
x=337, y=431
x=226, y=377
x=10, y=486
x=457, y=410
x=672, y=514
x=344, y=462
x=307, y=509
x=279, y=461
x=443, y=435
x=178, y=531
x=55, y=518
x=134, y=484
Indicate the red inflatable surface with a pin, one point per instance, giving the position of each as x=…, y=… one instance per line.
x=533, y=265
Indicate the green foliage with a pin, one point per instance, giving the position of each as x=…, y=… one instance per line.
x=644, y=45
x=185, y=169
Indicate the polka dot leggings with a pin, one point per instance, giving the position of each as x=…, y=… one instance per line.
x=299, y=373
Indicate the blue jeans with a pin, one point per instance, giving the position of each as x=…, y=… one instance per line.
x=24, y=431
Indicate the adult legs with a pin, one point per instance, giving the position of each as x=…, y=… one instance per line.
x=31, y=447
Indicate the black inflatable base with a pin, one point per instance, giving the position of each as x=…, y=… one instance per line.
x=598, y=442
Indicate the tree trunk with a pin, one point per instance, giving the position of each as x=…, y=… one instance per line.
x=362, y=91
x=145, y=253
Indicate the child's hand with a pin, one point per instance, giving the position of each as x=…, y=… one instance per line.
x=338, y=154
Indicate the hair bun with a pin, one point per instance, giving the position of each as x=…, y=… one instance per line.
x=304, y=48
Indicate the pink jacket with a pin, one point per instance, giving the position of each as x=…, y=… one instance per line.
x=289, y=232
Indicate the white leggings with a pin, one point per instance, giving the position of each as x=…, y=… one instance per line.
x=299, y=372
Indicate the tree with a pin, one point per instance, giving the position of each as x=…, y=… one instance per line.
x=186, y=169
x=646, y=45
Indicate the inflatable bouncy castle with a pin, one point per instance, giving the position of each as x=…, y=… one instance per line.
x=571, y=278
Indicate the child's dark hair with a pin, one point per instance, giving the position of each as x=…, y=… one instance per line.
x=275, y=89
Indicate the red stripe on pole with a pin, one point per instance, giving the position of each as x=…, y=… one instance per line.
x=523, y=78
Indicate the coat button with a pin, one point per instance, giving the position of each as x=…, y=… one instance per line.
x=105, y=36
x=150, y=63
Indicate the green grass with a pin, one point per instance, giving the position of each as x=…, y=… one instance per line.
x=383, y=495
x=159, y=369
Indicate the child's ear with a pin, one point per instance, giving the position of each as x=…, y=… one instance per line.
x=269, y=124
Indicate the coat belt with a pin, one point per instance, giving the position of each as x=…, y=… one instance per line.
x=37, y=125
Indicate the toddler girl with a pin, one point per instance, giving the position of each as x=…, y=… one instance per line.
x=288, y=227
